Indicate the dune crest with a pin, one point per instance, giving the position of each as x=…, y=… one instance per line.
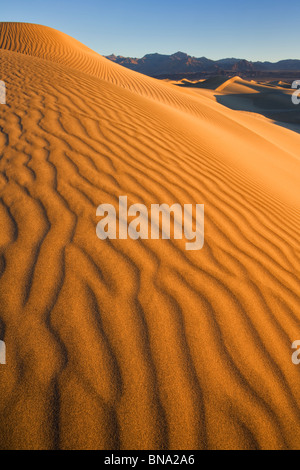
x=140, y=344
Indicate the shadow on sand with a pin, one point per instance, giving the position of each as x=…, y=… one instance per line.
x=275, y=105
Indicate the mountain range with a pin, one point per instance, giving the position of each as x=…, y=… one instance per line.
x=180, y=63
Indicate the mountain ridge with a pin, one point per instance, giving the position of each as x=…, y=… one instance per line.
x=155, y=64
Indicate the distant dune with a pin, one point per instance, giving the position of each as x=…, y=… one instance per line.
x=124, y=344
x=269, y=99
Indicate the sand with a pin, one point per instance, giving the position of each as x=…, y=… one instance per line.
x=140, y=344
x=270, y=100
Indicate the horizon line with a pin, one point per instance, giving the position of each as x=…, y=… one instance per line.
x=198, y=57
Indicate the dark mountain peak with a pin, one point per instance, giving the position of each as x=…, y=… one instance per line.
x=154, y=55
x=181, y=64
x=242, y=65
x=180, y=55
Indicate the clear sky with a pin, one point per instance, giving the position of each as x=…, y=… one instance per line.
x=253, y=29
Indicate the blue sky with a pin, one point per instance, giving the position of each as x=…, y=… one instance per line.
x=255, y=30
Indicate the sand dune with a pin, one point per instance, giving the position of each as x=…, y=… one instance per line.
x=271, y=100
x=124, y=344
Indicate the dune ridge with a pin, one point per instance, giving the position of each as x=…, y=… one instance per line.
x=139, y=344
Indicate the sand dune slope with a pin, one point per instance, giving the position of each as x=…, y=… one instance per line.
x=124, y=344
x=273, y=100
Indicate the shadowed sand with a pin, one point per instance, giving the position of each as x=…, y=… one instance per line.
x=269, y=99
x=128, y=344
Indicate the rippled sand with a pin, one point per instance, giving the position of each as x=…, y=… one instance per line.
x=124, y=344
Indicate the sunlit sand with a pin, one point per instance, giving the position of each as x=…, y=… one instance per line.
x=141, y=344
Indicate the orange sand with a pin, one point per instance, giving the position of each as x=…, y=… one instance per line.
x=140, y=344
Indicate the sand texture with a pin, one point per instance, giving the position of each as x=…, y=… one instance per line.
x=140, y=344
